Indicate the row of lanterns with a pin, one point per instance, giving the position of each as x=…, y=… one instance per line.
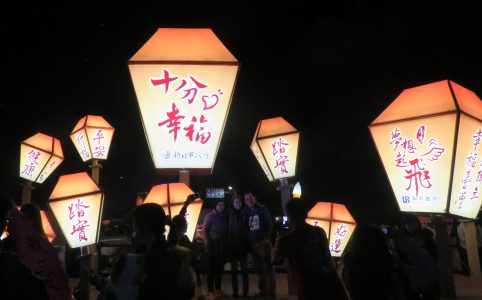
x=76, y=201
x=428, y=138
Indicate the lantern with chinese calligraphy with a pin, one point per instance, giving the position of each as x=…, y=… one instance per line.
x=171, y=197
x=184, y=81
x=76, y=203
x=92, y=137
x=428, y=139
x=275, y=146
x=40, y=155
x=337, y=222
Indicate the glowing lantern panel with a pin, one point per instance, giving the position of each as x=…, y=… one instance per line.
x=184, y=80
x=46, y=226
x=336, y=221
x=416, y=137
x=76, y=203
x=275, y=146
x=40, y=155
x=171, y=197
x=92, y=137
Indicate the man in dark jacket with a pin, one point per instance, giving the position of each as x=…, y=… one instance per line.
x=260, y=227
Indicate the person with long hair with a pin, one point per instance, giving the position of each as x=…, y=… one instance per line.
x=215, y=229
x=237, y=244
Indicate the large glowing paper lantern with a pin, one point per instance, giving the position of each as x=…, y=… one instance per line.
x=184, y=81
x=428, y=139
x=275, y=146
x=76, y=203
x=171, y=197
x=92, y=137
x=40, y=155
x=337, y=222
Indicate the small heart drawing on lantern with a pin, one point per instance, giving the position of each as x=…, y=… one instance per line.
x=210, y=101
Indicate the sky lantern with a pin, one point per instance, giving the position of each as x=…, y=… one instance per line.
x=92, y=137
x=275, y=146
x=337, y=222
x=429, y=140
x=184, y=80
x=171, y=197
x=76, y=203
x=40, y=155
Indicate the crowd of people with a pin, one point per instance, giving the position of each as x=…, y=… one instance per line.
x=392, y=263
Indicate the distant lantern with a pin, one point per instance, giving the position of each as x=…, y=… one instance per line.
x=337, y=222
x=171, y=197
x=40, y=155
x=297, y=190
x=76, y=203
x=275, y=146
x=429, y=139
x=92, y=137
x=184, y=80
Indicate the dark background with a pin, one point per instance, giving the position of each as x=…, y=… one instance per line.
x=328, y=69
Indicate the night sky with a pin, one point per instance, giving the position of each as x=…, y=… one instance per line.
x=328, y=70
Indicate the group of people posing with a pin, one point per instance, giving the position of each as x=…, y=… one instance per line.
x=229, y=234
x=393, y=265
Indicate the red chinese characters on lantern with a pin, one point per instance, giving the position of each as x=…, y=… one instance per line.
x=189, y=88
x=411, y=156
x=84, y=153
x=470, y=165
x=46, y=172
x=99, y=148
x=340, y=232
x=77, y=214
x=279, y=152
x=32, y=162
x=202, y=136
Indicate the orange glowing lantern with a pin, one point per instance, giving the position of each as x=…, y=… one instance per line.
x=92, y=137
x=337, y=222
x=184, y=80
x=46, y=226
x=275, y=146
x=40, y=155
x=171, y=197
x=428, y=139
x=76, y=203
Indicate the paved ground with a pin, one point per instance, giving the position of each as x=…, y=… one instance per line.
x=466, y=288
